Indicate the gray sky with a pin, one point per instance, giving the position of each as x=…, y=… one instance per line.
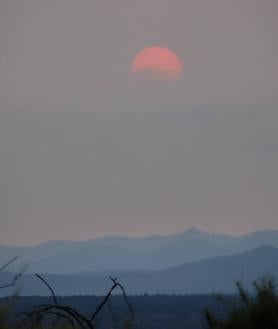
x=88, y=150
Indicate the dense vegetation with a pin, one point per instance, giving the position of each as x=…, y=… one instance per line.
x=253, y=311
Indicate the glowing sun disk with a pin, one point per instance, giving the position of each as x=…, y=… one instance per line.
x=157, y=59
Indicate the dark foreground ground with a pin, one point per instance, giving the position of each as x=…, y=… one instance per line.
x=151, y=312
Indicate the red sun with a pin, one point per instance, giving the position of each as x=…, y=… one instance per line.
x=159, y=62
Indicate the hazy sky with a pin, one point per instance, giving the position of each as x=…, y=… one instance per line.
x=87, y=149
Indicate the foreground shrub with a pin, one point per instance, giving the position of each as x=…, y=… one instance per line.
x=257, y=310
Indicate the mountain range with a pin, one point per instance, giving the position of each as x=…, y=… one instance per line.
x=213, y=275
x=154, y=253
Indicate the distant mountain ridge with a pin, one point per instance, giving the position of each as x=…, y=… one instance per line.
x=214, y=275
x=123, y=253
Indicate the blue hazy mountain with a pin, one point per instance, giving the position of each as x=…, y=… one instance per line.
x=212, y=275
x=123, y=253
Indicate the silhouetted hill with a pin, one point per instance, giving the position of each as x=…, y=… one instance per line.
x=211, y=275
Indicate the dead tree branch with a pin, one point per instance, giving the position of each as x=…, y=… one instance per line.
x=106, y=298
x=61, y=312
x=8, y=263
x=49, y=287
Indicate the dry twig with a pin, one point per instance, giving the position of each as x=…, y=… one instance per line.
x=69, y=314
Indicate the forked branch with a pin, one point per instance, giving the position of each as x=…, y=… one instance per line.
x=69, y=314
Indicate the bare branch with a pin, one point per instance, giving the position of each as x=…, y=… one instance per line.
x=126, y=300
x=100, y=306
x=49, y=287
x=7, y=264
x=37, y=315
x=108, y=295
x=67, y=313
